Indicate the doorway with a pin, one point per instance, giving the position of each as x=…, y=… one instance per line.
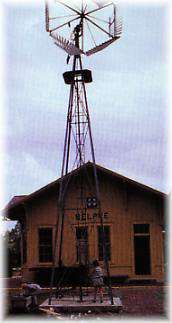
x=142, y=249
x=82, y=245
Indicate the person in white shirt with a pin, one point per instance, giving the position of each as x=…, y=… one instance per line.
x=97, y=280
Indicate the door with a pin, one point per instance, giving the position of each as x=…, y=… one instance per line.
x=142, y=249
x=82, y=245
x=142, y=255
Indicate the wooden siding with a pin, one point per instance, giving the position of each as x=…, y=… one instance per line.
x=124, y=205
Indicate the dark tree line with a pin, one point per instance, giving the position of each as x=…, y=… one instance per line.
x=11, y=245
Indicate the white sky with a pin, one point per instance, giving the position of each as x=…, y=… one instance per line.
x=128, y=99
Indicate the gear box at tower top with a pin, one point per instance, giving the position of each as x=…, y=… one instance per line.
x=78, y=76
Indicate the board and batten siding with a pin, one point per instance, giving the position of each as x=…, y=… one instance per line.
x=125, y=206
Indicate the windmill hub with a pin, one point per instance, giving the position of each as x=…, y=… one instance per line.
x=94, y=31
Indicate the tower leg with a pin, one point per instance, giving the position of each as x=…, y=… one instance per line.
x=78, y=120
x=98, y=196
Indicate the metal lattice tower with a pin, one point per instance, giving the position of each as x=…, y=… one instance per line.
x=78, y=125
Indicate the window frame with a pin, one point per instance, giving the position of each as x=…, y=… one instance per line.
x=141, y=232
x=50, y=245
x=109, y=258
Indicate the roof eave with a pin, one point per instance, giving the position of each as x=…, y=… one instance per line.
x=74, y=172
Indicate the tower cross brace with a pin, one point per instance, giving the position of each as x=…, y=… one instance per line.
x=78, y=127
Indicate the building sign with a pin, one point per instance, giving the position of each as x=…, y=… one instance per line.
x=91, y=202
x=90, y=217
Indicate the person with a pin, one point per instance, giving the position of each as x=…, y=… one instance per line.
x=97, y=280
x=31, y=289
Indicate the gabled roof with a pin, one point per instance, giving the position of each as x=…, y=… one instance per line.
x=19, y=200
x=15, y=200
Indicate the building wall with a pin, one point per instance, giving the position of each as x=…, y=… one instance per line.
x=122, y=205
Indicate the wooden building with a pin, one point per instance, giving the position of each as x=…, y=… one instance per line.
x=133, y=219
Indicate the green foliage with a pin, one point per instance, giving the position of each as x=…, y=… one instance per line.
x=11, y=243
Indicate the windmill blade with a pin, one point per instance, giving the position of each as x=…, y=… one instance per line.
x=101, y=7
x=101, y=3
x=47, y=17
x=99, y=27
x=66, y=45
x=117, y=27
x=69, y=7
x=64, y=24
x=101, y=46
x=98, y=3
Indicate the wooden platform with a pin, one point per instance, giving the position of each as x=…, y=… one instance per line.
x=71, y=305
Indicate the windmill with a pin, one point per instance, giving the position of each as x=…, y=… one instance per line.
x=80, y=29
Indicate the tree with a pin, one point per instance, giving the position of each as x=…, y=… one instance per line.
x=11, y=243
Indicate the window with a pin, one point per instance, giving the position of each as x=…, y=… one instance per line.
x=107, y=242
x=45, y=245
x=141, y=228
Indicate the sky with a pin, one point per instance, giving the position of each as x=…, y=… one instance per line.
x=128, y=99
